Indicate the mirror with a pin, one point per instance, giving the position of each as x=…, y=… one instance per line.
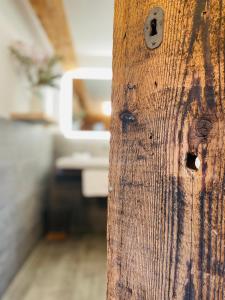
x=91, y=104
x=85, y=103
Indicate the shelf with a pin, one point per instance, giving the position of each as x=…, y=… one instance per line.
x=40, y=118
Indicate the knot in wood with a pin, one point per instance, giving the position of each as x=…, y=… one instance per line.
x=203, y=127
x=131, y=86
x=127, y=117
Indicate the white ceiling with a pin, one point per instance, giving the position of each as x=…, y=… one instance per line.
x=91, y=23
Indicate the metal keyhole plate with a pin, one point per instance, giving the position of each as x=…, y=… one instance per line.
x=153, y=30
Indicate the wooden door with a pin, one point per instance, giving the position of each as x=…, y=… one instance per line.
x=166, y=226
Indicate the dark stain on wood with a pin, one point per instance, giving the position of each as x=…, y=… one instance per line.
x=127, y=119
x=200, y=5
x=196, y=89
x=209, y=91
x=189, y=287
x=173, y=205
x=202, y=241
x=123, y=291
x=209, y=244
x=194, y=95
x=141, y=293
x=197, y=21
x=189, y=290
x=180, y=207
x=125, y=183
x=218, y=268
x=141, y=157
x=209, y=238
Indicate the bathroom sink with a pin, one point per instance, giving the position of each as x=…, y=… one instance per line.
x=94, y=172
x=80, y=161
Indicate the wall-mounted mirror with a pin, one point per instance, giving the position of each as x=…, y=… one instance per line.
x=91, y=104
x=85, y=109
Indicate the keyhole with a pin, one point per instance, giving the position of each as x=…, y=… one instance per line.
x=153, y=27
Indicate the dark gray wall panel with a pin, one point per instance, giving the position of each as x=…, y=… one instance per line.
x=25, y=166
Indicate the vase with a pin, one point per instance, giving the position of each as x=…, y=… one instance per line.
x=41, y=101
x=37, y=100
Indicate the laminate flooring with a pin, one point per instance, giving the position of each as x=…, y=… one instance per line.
x=73, y=269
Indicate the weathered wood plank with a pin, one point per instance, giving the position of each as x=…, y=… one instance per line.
x=166, y=228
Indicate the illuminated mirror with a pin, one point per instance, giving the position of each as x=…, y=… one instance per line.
x=85, y=103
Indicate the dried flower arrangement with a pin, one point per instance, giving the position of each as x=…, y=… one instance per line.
x=40, y=69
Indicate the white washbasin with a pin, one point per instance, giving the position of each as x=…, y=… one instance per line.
x=82, y=161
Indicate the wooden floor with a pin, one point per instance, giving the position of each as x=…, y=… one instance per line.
x=69, y=270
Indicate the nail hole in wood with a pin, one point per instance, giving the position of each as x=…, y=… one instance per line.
x=193, y=162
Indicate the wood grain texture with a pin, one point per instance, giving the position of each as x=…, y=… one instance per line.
x=166, y=228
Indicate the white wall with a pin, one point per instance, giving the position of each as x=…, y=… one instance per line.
x=91, y=24
x=17, y=22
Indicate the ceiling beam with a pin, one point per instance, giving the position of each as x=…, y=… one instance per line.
x=52, y=16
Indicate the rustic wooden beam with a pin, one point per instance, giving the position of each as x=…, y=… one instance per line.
x=53, y=18
x=166, y=229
